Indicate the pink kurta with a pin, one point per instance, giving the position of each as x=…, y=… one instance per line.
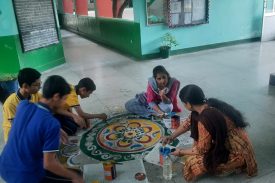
x=153, y=96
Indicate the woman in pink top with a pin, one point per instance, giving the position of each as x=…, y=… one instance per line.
x=160, y=96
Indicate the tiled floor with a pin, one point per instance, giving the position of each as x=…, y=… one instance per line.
x=237, y=74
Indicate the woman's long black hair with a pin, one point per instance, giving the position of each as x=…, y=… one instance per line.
x=233, y=114
x=213, y=120
x=195, y=96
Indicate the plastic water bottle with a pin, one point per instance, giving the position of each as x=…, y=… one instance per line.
x=167, y=168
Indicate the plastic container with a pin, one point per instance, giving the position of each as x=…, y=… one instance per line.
x=167, y=122
x=109, y=170
x=163, y=151
x=167, y=168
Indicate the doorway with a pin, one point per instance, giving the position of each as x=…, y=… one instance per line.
x=268, y=30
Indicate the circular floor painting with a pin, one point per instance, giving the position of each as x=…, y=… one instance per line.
x=122, y=138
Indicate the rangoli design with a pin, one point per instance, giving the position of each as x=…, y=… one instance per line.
x=122, y=138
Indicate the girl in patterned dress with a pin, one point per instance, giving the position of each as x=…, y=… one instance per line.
x=221, y=144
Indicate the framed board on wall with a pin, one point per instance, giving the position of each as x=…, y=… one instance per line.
x=187, y=12
x=36, y=23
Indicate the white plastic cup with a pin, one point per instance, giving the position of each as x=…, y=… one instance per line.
x=167, y=122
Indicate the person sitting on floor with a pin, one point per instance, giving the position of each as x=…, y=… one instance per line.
x=221, y=145
x=84, y=89
x=159, y=98
x=30, y=152
x=29, y=82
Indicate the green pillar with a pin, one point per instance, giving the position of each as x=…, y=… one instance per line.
x=12, y=57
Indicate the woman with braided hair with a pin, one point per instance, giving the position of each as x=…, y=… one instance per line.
x=221, y=144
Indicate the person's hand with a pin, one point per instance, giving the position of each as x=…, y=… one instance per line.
x=77, y=179
x=176, y=152
x=161, y=115
x=162, y=92
x=63, y=137
x=167, y=140
x=80, y=121
x=88, y=123
x=102, y=116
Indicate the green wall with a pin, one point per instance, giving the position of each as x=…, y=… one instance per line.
x=229, y=20
x=41, y=59
x=12, y=58
x=9, y=61
x=122, y=35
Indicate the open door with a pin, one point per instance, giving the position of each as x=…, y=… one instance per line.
x=268, y=31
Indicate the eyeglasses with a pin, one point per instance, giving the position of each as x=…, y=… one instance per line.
x=37, y=84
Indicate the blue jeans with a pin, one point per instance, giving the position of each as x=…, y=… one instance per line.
x=7, y=88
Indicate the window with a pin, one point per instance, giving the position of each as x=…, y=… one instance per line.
x=155, y=11
x=187, y=12
x=269, y=6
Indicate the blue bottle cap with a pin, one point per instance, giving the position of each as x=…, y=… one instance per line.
x=165, y=151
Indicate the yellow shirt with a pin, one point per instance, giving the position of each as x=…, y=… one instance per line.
x=72, y=99
x=9, y=110
x=9, y=107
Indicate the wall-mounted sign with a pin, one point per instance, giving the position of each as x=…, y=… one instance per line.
x=36, y=23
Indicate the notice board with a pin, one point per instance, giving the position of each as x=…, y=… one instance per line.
x=36, y=23
x=187, y=12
